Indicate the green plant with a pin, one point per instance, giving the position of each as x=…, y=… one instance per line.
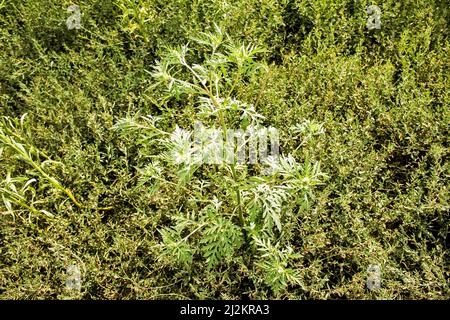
x=246, y=209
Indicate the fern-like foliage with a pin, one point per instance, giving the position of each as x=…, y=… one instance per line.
x=220, y=239
x=256, y=208
x=150, y=177
x=268, y=201
x=275, y=264
x=175, y=248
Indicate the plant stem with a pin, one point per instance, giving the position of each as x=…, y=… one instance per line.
x=224, y=129
x=235, y=81
x=238, y=195
x=263, y=87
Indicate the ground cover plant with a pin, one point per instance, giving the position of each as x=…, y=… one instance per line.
x=98, y=102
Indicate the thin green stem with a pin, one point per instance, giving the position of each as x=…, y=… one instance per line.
x=235, y=81
x=238, y=195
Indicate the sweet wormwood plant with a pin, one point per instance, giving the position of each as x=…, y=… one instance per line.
x=232, y=210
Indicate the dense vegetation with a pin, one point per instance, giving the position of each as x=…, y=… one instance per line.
x=90, y=117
